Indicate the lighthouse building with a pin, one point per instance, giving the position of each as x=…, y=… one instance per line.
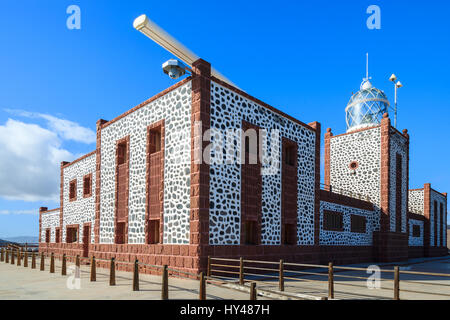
x=161, y=185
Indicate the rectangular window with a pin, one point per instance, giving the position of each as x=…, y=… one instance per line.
x=250, y=232
x=289, y=234
x=72, y=235
x=153, y=231
x=122, y=153
x=435, y=223
x=289, y=155
x=73, y=190
x=416, y=231
x=333, y=221
x=87, y=186
x=358, y=224
x=120, y=233
x=58, y=235
x=155, y=140
x=47, y=236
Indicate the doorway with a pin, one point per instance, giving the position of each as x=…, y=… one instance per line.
x=86, y=240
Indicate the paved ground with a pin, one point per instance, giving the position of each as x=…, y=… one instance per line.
x=17, y=282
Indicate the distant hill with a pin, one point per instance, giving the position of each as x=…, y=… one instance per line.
x=22, y=239
x=5, y=242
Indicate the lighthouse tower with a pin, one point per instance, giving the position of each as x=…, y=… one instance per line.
x=371, y=159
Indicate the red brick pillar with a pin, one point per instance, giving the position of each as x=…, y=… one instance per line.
x=406, y=135
x=61, y=199
x=427, y=214
x=201, y=99
x=385, y=173
x=327, y=151
x=317, y=127
x=100, y=123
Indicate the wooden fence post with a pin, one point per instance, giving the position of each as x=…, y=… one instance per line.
x=241, y=271
x=330, y=281
x=52, y=263
x=136, y=276
x=165, y=284
x=12, y=257
x=64, y=265
x=25, y=260
x=112, y=273
x=42, y=261
x=93, y=269
x=396, y=283
x=281, y=276
x=253, y=292
x=19, y=256
x=77, y=261
x=7, y=256
x=208, y=272
x=202, y=291
x=3, y=256
x=33, y=260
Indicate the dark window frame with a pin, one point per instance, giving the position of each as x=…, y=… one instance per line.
x=333, y=220
x=358, y=224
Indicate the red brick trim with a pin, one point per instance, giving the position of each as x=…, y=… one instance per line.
x=416, y=216
x=98, y=162
x=328, y=196
x=74, y=198
x=317, y=127
x=385, y=173
x=427, y=214
x=157, y=96
x=199, y=211
x=265, y=105
x=327, y=168
x=147, y=184
x=89, y=194
x=127, y=189
x=406, y=135
x=61, y=195
x=355, y=131
x=419, y=189
x=68, y=164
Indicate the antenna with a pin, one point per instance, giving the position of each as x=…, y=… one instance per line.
x=367, y=66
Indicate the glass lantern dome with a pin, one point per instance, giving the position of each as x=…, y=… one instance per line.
x=366, y=107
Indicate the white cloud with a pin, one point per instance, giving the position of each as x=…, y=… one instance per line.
x=67, y=130
x=30, y=162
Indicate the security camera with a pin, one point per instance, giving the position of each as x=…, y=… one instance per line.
x=174, y=68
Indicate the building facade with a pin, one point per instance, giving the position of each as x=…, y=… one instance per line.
x=176, y=179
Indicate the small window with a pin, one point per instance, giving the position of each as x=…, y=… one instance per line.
x=47, y=236
x=155, y=140
x=153, y=231
x=87, y=185
x=416, y=231
x=333, y=221
x=289, y=234
x=289, y=155
x=73, y=190
x=250, y=233
x=358, y=224
x=72, y=235
x=120, y=233
x=122, y=153
x=58, y=234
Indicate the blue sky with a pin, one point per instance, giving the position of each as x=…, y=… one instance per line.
x=303, y=57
